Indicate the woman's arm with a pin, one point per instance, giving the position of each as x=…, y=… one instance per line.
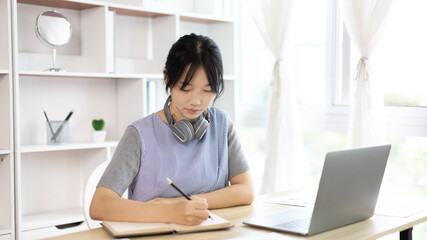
x=240, y=192
x=108, y=205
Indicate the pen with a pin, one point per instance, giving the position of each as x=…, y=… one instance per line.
x=62, y=125
x=180, y=191
x=48, y=123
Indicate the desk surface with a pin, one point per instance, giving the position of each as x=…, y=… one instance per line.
x=372, y=228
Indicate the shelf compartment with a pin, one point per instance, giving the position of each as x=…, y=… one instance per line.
x=6, y=198
x=90, y=98
x=4, y=230
x=221, y=32
x=87, y=49
x=52, y=232
x=53, y=185
x=53, y=218
x=147, y=49
x=66, y=147
x=5, y=37
x=6, y=106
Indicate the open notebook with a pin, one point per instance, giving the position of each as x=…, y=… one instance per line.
x=130, y=229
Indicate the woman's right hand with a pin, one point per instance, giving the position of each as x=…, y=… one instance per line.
x=183, y=211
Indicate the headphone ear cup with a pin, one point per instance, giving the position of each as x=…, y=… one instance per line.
x=200, y=127
x=183, y=131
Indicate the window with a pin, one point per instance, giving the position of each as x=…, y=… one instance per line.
x=400, y=59
x=323, y=61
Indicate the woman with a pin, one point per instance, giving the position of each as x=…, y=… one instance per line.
x=195, y=146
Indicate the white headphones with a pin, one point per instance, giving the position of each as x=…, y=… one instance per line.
x=183, y=130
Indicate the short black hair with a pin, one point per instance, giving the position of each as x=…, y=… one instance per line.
x=194, y=51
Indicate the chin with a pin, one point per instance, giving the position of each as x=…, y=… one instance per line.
x=191, y=117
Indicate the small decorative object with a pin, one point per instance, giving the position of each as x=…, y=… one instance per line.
x=99, y=134
x=54, y=30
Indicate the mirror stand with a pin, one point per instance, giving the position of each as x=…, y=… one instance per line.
x=54, y=68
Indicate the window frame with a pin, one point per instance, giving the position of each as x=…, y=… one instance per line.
x=335, y=116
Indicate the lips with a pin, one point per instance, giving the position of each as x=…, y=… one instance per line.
x=193, y=111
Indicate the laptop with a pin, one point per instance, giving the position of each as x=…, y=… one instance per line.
x=347, y=193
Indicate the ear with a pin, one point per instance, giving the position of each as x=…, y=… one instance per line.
x=164, y=76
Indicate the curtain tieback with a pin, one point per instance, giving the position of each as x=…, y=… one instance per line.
x=275, y=84
x=362, y=70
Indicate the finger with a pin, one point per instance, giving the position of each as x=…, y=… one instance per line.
x=198, y=217
x=201, y=205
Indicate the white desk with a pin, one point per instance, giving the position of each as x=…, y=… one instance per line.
x=373, y=228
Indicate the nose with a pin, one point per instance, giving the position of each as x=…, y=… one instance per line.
x=195, y=99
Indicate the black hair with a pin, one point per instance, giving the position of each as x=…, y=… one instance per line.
x=193, y=51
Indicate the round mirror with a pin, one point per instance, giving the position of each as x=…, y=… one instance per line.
x=54, y=30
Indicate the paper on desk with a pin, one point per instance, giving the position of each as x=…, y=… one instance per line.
x=297, y=199
x=399, y=206
x=266, y=236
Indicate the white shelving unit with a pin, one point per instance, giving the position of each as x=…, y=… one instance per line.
x=7, y=197
x=114, y=65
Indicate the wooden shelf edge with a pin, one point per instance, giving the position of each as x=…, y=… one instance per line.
x=80, y=74
x=131, y=10
x=204, y=18
x=147, y=12
x=76, y=5
x=138, y=11
x=227, y=77
x=4, y=152
x=65, y=147
x=51, y=219
x=5, y=230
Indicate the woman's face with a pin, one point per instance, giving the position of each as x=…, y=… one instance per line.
x=194, y=99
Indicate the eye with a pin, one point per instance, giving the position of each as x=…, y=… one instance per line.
x=185, y=89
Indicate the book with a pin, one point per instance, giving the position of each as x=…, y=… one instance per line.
x=132, y=229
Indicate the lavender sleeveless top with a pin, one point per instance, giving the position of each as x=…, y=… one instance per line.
x=198, y=166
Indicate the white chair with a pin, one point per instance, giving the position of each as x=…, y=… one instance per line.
x=89, y=191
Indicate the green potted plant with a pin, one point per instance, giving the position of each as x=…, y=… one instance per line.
x=99, y=133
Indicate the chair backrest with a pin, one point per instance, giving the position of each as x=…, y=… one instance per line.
x=89, y=191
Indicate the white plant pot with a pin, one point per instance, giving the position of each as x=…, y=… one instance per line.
x=99, y=136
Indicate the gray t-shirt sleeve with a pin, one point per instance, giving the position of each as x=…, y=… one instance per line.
x=237, y=163
x=124, y=165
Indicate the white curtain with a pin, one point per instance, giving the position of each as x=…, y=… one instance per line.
x=284, y=151
x=364, y=20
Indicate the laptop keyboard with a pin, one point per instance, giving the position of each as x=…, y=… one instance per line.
x=300, y=225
